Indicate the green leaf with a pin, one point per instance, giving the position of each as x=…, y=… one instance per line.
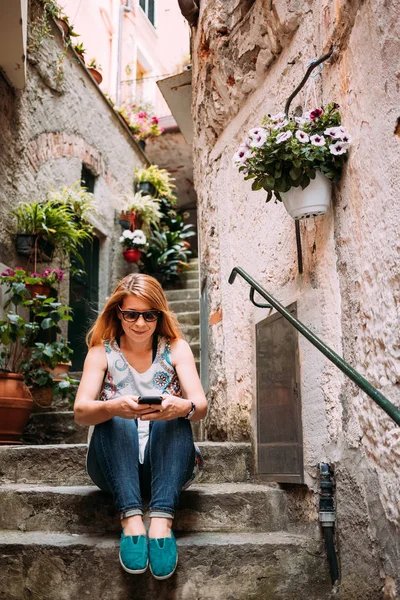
x=295, y=173
x=47, y=323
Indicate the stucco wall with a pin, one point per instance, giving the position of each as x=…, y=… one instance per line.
x=248, y=57
x=47, y=131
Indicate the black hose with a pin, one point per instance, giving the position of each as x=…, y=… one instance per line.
x=331, y=553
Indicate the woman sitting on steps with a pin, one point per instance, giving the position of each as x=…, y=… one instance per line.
x=136, y=349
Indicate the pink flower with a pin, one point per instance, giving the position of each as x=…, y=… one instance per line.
x=8, y=273
x=19, y=269
x=36, y=275
x=154, y=120
x=142, y=114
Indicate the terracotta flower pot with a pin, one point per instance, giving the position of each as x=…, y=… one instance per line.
x=133, y=255
x=38, y=289
x=313, y=201
x=63, y=26
x=42, y=396
x=97, y=76
x=16, y=405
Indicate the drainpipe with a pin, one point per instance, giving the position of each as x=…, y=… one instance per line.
x=190, y=10
x=327, y=517
x=122, y=10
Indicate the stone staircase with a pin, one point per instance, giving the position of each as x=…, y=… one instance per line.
x=238, y=539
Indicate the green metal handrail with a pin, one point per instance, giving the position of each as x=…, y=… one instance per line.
x=389, y=408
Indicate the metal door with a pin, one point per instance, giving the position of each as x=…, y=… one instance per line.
x=280, y=443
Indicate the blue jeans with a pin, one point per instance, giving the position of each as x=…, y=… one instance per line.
x=113, y=464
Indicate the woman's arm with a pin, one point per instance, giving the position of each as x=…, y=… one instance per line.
x=185, y=366
x=89, y=412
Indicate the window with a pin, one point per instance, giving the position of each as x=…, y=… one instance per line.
x=149, y=8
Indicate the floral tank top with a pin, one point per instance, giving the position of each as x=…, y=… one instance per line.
x=160, y=378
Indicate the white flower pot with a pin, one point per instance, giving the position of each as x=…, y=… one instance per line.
x=313, y=201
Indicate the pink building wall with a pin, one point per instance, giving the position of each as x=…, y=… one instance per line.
x=157, y=50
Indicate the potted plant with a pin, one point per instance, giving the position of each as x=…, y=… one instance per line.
x=155, y=181
x=133, y=243
x=95, y=70
x=141, y=121
x=19, y=331
x=142, y=212
x=54, y=356
x=35, y=283
x=296, y=158
x=80, y=50
x=52, y=222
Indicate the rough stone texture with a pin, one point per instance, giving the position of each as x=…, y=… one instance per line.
x=235, y=507
x=54, y=428
x=47, y=131
x=348, y=293
x=211, y=566
x=64, y=464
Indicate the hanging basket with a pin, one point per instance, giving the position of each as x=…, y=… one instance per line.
x=146, y=187
x=313, y=201
x=97, y=76
x=132, y=256
x=38, y=289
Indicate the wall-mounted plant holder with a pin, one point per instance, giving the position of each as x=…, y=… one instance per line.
x=295, y=196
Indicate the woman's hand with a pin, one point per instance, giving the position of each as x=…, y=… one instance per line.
x=127, y=407
x=171, y=407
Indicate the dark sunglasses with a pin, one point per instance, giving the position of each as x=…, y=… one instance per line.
x=130, y=316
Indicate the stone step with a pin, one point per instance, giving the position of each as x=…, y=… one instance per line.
x=235, y=507
x=212, y=566
x=191, y=284
x=191, y=294
x=189, y=318
x=64, y=464
x=195, y=347
x=191, y=333
x=55, y=427
x=193, y=274
x=182, y=306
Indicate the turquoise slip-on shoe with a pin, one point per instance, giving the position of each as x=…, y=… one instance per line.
x=163, y=556
x=134, y=553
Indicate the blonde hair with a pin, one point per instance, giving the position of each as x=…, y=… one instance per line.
x=108, y=325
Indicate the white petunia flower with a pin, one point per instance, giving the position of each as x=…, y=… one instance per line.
x=346, y=138
x=126, y=234
x=302, y=136
x=256, y=132
x=306, y=116
x=282, y=137
x=278, y=117
x=317, y=140
x=240, y=157
x=281, y=124
x=122, y=239
x=335, y=133
x=259, y=140
x=338, y=148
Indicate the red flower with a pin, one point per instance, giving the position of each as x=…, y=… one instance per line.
x=154, y=120
x=314, y=114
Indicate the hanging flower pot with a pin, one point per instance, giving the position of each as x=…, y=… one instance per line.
x=63, y=26
x=129, y=220
x=132, y=256
x=24, y=243
x=146, y=187
x=15, y=407
x=313, y=201
x=38, y=289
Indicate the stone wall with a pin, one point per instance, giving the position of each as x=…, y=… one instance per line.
x=49, y=130
x=248, y=57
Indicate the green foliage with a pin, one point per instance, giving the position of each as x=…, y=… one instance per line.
x=160, y=178
x=59, y=219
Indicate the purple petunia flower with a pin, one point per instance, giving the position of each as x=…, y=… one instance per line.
x=338, y=148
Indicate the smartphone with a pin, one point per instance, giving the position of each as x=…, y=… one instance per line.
x=150, y=400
